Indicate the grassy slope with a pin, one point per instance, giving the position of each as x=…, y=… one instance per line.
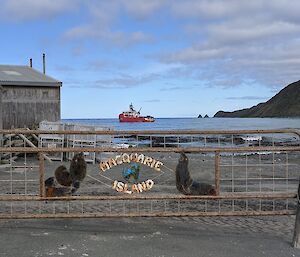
x=284, y=104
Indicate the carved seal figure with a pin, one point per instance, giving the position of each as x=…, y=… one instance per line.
x=53, y=190
x=68, y=180
x=62, y=176
x=77, y=170
x=185, y=184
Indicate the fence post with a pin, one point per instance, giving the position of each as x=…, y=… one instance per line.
x=296, y=239
x=42, y=174
x=217, y=172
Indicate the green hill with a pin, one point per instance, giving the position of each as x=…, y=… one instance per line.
x=284, y=104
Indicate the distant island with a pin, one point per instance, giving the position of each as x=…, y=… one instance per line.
x=284, y=104
x=200, y=116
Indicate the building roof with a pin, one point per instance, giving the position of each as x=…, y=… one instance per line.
x=25, y=76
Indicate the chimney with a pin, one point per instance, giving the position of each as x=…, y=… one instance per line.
x=44, y=64
x=30, y=62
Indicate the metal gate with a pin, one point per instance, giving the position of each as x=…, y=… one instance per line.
x=254, y=172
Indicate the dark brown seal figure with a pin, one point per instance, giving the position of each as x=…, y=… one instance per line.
x=77, y=170
x=63, y=176
x=53, y=190
x=74, y=176
x=185, y=184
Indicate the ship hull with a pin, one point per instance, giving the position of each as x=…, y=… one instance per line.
x=123, y=118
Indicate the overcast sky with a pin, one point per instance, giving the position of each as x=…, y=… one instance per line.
x=173, y=58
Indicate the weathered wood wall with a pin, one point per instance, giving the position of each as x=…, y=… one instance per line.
x=1, y=126
x=27, y=106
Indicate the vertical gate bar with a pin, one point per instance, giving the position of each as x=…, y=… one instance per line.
x=217, y=172
x=273, y=163
x=260, y=204
x=273, y=171
x=25, y=172
x=232, y=174
x=260, y=167
x=296, y=238
x=246, y=172
x=10, y=168
x=287, y=171
x=11, y=174
x=42, y=174
x=287, y=178
x=232, y=177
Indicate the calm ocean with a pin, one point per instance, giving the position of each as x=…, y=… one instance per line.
x=195, y=123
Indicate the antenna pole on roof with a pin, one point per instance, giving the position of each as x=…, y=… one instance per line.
x=44, y=63
x=30, y=62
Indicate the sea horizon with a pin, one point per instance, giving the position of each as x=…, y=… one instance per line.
x=186, y=123
x=189, y=118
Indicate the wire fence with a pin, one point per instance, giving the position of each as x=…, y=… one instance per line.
x=254, y=173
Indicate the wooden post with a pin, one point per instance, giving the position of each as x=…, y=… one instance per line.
x=32, y=145
x=217, y=172
x=296, y=239
x=42, y=174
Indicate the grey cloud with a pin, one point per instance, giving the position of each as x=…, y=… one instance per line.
x=173, y=88
x=126, y=81
x=193, y=54
x=24, y=10
x=219, y=9
x=235, y=32
x=250, y=41
x=142, y=9
x=97, y=65
x=106, y=35
x=102, y=16
x=229, y=43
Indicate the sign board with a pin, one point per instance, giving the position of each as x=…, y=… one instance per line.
x=135, y=160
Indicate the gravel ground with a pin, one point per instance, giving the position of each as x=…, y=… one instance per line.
x=213, y=236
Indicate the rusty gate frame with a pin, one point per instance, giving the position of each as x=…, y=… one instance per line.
x=216, y=150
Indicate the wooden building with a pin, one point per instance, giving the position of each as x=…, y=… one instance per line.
x=27, y=97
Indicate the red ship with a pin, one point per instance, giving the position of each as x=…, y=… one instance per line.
x=133, y=116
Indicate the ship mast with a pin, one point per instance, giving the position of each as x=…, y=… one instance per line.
x=131, y=108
